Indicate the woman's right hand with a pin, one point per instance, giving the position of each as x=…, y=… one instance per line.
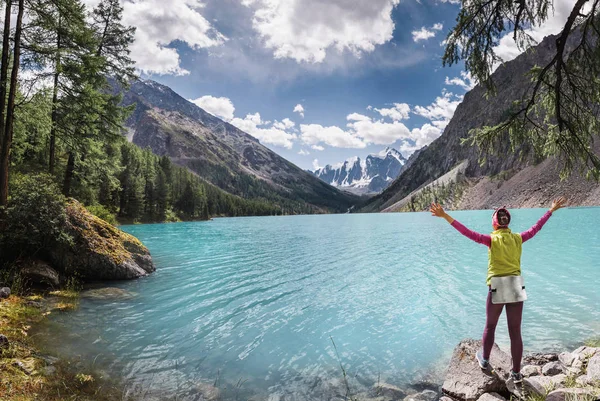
x=558, y=203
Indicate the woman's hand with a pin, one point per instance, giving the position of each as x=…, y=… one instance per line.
x=437, y=210
x=558, y=203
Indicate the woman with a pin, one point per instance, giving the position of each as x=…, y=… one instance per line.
x=504, y=256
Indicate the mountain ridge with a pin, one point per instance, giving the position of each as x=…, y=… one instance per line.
x=222, y=154
x=371, y=175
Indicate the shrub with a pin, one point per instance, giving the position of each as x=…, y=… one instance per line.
x=104, y=213
x=35, y=216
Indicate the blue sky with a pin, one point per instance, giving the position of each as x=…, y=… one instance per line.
x=360, y=74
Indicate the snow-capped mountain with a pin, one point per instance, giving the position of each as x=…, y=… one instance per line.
x=371, y=175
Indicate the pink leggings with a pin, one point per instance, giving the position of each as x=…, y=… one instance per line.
x=514, y=314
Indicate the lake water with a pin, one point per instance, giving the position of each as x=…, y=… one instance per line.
x=254, y=305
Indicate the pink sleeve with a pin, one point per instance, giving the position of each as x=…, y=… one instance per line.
x=529, y=234
x=472, y=235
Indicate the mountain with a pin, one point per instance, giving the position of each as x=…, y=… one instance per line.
x=222, y=154
x=372, y=175
x=511, y=179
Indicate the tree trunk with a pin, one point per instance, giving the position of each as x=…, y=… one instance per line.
x=4, y=77
x=69, y=174
x=10, y=111
x=55, y=104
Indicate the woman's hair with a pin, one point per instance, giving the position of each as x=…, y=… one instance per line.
x=501, y=218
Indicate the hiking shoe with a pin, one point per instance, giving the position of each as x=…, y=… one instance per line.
x=483, y=363
x=517, y=377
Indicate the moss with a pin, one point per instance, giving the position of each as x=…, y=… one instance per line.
x=99, y=236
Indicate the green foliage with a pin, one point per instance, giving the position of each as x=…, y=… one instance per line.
x=449, y=195
x=593, y=342
x=559, y=113
x=104, y=213
x=35, y=216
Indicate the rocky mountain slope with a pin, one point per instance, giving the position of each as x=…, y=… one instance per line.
x=371, y=175
x=222, y=154
x=477, y=110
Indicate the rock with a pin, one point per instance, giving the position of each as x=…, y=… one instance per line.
x=108, y=293
x=553, y=368
x=48, y=359
x=531, y=370
x=571, y=394
x=99, y=251
x=21, y=366
x=445, y=398
x=586, y=352
x=539, y=359
x=491, y=397
x=4, y=343
x=531, y=386
x=4, y=292
x=38, y=273
x=426, y=395
x=593, y=368
x=388, y=391
x=208, y=392
x=582, y=381
x=466, y=381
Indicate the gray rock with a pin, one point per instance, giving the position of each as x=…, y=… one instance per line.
x=445, y=398
x=586, y=352
x=582, y=381
x=567, y=358
x=4, y=292
x=466, y=381
x=108, y=293
x=571, y=394
x=593, y=368
x=48, y=359
x=531, y=386
x=491, y=397
x=426, y=395
x=531, y=370
x=388, y=391
x=553, y=368
x=39, y=273
x=4, y=343
x=208, y=392
x=22, y=367
x=539, y=359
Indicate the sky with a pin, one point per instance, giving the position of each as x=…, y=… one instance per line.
x=317, y=81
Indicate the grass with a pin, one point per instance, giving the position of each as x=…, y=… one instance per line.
x=593, y=342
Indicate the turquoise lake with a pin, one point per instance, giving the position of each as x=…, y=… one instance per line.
x=253, y=304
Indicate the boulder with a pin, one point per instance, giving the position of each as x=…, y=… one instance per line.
x=207, y=391
x=491, y=397
x=107, y=293
x=426, y=395
x=539, y=359
x=38, y=273
x=531, y=370
x=388, y=391
x=98, y=250
x=586, y=352
x=593, y=368
x=553, y=368
x=466, y=381
x=4, y=292
x=571, y=394
x=445, y=398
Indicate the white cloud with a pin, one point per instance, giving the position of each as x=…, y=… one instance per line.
x=304, y=152
x=379, y=132
x=221, y=107
x=159, y=23
x=305, y=31
x=399, y=112
x=285, y=124
x=316, y=164
x=357, y=117
x=317, y=147
x=441, y=110
x=465, y=81
x=425, y=33
x=255, y=126
x=313, y=134
x=299, y=109
x=422, y=34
